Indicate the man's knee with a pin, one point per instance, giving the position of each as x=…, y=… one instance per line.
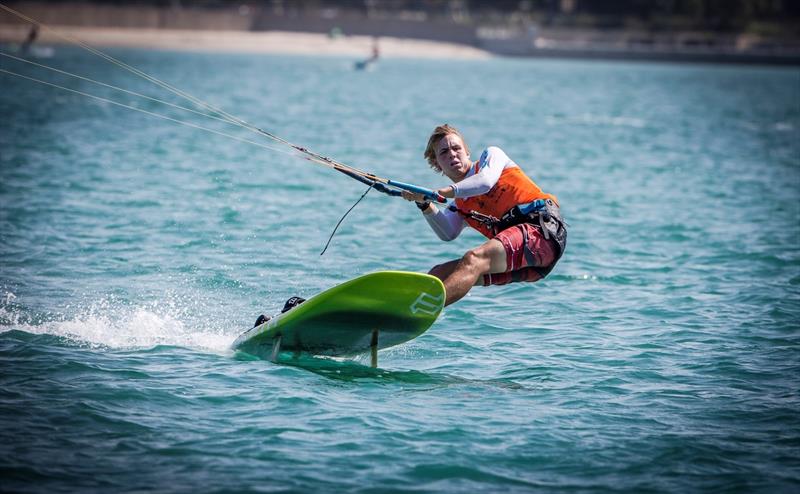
x=487, y=258
x=477, y=259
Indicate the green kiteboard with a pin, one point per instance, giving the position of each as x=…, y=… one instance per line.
x=368, y=313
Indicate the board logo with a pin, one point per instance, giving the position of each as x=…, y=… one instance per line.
x=427, y=304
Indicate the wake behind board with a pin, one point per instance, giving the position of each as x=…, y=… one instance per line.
x=368, y=313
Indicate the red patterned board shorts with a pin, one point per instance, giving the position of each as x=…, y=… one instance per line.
x=528, y=253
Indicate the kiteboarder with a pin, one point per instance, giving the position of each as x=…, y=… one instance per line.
x=33, y=34
x=376, y=53
x=526, y=233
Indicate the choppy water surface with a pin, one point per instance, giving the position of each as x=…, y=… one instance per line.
x=660, y=356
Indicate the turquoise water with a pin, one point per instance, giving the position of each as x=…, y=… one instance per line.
x=661, y=355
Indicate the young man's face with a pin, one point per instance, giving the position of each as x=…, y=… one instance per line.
x=452, y=157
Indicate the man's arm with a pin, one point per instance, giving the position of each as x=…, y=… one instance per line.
x=445, y=223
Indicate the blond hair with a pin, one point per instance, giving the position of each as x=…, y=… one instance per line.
x=438, y=134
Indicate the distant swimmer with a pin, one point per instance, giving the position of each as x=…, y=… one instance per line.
x=526, y=232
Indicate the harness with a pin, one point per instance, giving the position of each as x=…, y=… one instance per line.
x=543, y=214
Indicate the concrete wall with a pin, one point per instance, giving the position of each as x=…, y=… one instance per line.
x=239, y=18
x=82, y=14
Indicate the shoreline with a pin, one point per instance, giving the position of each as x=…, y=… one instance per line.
x=306, y=28
x=275, y=42
x=234, y=41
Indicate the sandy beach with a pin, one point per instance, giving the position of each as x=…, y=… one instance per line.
x=275, y=42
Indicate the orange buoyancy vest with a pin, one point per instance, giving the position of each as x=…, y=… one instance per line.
x=512, y=188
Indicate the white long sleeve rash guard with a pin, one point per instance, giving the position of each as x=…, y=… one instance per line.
x=448, y=224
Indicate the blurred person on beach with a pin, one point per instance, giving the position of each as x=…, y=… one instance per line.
x=526, y=233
